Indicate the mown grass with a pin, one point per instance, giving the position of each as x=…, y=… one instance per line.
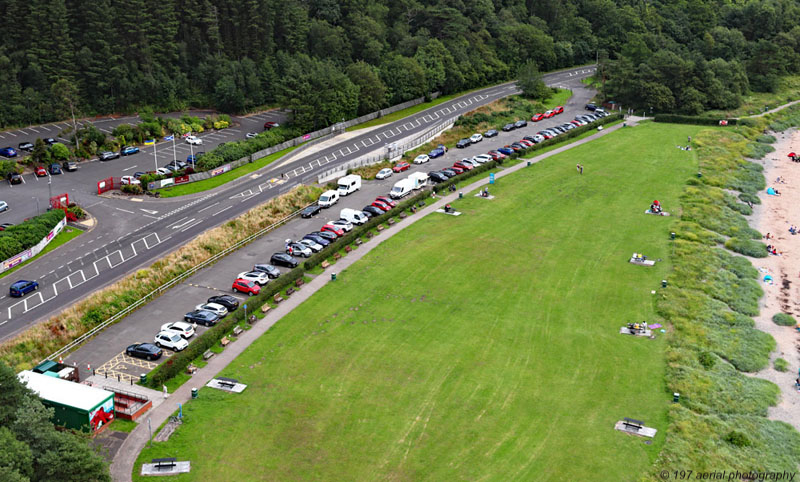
x=122, y=425
x=479, y=347
x=216, y=181
x=66, y=235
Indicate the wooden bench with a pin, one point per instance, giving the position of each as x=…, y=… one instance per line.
x=369, y=234
x=337, y=256
x=289, y=291
x=348, y=248
x=237, y=330
x=404, y=214
x=325, y=265
x=391, y=221
x=191, y=369
x=224, y=341
x=299, y=282
x=277, y=298
x=265, y=307
x=166, y=462
x=208, y=354
x=633, y=424
x=381, y=227
x=359, y=242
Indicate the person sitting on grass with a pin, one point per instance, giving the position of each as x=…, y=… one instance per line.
x=448, y=209
x=485, y=192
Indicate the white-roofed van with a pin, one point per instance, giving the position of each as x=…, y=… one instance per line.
x=353, y=215
x=328, y=199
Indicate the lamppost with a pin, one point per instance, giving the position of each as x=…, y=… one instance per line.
x=37, y=205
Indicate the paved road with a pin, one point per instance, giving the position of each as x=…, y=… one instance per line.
x=133, y=234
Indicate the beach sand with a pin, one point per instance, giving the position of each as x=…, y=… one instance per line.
x=774, y=215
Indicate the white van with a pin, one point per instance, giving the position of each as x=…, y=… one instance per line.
x=349, y=184
x=328, y=199
x=354, y=216
x=401, y=188
x=418, y=179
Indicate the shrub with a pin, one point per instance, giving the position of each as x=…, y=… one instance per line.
x=757, y=150
x=781, y=365
x=737, y=438
x=689, y=119
x=131, y=189
x=747, y=247
x=77, y=211
x=766, y=139
x=28, y=233
x=784, y=319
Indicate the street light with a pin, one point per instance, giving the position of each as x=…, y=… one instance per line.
x=37, y=205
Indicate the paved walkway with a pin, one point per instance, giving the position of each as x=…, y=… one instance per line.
x=122, y=466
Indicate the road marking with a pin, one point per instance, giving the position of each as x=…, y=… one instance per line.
x=225, y=209
x=9, y=132
x=176, y=222
x=184, y=224
x=148, y=211
x=129, y=168
x=208, y=207
x=124, y=210
x=191, y=225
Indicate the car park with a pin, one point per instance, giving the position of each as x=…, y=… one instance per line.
x=182, y=328
x=228, y=301
x=496, y=155
x=256, y=277
x=270, y=125
x=506, y=150
x=129, y=180
x=421, y=159
x=520, y=123
x=246, y=287
x=353, y=216
x=321, y=240
x=343, y=224
x=372, y=211
x=215, y=308
x=456, y=169
x=381, y=205
x=55, y=169
x=309, y=211
x=173, y=341
x=463, y=143
x=348, y=184
x=40, y=171
x=475, y=138
x=490, y=133
x=8, y=152
x=537, y=117
x=401, y=166
x=558, y=110
x=201, y=317
x=298, y=249
x=436, y=152
x=508, y=127
x=148, y=351
x=311, y=244
x=194, y=140
x=14, y=178
x=383, y=174
x=70, y=166
x=387, y=201
x=128, y=151
x=3, y=206
x=272, y=272
x=283, y=259
x=22, y=287
x=163, y=171
x=326, y=235
x=526, y=143
x=50, y=141
x=25, y=146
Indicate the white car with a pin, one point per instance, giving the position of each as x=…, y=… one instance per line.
x=538, y=138
x=182, y=328
x=173, y=341
x=194, y=140
x=475, y=138
x=250, y=135
x=162, y=171
x=256, y=277
x=383, y=173
x=346, y=225
x=312, y=245
x=3, y=206
x=421, y=159
x=215, y=308
x=482, y=158
x=470, y=162
x=129, y=180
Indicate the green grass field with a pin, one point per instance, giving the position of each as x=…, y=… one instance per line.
x=483, y=346
x=65, y=236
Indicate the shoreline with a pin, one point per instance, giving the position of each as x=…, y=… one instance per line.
x=774, y=215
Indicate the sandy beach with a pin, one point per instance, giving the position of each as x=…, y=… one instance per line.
x=775, y=215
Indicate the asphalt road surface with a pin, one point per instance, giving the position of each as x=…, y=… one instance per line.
x=134, y=234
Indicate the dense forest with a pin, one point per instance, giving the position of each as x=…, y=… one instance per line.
x=329, y=59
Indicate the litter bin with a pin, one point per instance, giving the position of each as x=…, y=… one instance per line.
x=529, y=163
x=194, y=393
x=143, y=378
x=699, y=174
x=333, y=276
x=460, y=194
x=671, y=235
x=663, y=283
x=676, y=397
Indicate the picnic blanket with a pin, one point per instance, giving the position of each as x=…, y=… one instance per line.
x=662, y=213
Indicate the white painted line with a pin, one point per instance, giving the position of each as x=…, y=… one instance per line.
x=21, y=130
x=208, y=207
x=191, y=226
x=34, y=129
x=11, y=133
x=125, y=211
x=225, y=209
x=129, y=168
x=176, y=222
x=148, y=216
x=184, y=224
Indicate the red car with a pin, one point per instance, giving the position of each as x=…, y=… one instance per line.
x=537, y=117
x=333, y=229
x=456, y=169
x=496, y=156
x=558, y=110
x=549, y=114
x=526, y=143
x=514, y=148
x=245, y=286
x=463, y=165
x=381, y=205
x=401, y=166
x=575, y=123
x=386, y=200
x=270, y=124
x=40, y=171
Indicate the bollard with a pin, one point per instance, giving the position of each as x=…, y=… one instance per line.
x=671, y=235
x=194, y=393
x=333, y=276
x=663, y=283
x=676, y=397
x=143, y=378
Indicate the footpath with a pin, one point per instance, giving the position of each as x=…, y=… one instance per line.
x=123, y=464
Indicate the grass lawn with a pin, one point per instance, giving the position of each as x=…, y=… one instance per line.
x=483, y=346
x=66, y=235
x=211, y=183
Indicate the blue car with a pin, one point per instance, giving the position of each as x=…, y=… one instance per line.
x=317, y=239
x=438, y=152
x=506, y=150
x=22, y=288
x=8, y=152
x=127, y=151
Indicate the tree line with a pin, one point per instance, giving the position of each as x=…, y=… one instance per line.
x=333, y=59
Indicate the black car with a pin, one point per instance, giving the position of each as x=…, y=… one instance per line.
x=272, y=271
x=148, y=351
x=50, y=141
x=490, y=133
x=437, y=176
x=70, y=166
x=372, y=211
x=508, y=127
x=108, y=155
x=463, y=143
x=449, y=172
x=520, y=123
x=14, y=178
x=228, y=301
x=590, y=107
x=317, y=239
x=55, y=169
x=310, y=211
x=201, y=317
x=25, y=146
x=327, y=235
x=283, y=259
x=530, y=139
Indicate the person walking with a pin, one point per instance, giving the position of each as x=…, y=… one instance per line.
x=579, y=168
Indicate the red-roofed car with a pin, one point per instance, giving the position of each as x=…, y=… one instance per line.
x=244, y=286
x=333, y=229
x=537, y=117
x=381, y=205
x=401, y=166
x=386, y=200
x=496, y=156
x=558, y=110
x=549, y=114
x=463, y=165
x=40, y=171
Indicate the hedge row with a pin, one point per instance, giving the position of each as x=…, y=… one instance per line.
x=703, y=121
x=18, y=238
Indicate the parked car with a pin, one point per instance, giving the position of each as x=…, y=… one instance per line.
x=311, y=244
x=549, y=114
x=437, y=176
x=463, y=143
x=372, y=211
x=332, y=229
x=3, y=206
x=326, y=235
x=50, y=141
x=128, y=151
x=381, y=205
x=257, y=277
x=383, y=173
x=299, y=249
x=421, y=159
x=520, y=123
x=270, y=124
x=5, y=226
x=401, y=166
x=456, y=169
x=22, y=288
x=482, y=158
x=25, y=146
x=228, y=301
x=173, y=341
x=129, y=180
x=250, y=135
x=8, y=152
x=436, y=152
x=590, y=106
x=537, y=117
x=55, y=169
x=182, y=328
x=526, y=142
x=247, y=287
x=449, y=172
x=163, y=171
x=508, y=127
x=215, y=308
x=343, y=224
x=283, y=259
x=70, y=166
x=309, y=211
x=506, y=150
x=475, y=138
x=386, y=200
x=490, y=133
x=464, y=166
x=271, y=271
x=14, y=178
x=40, y=171
x=558, y=110
x=148, y=351
x=496, y=155
x=194, y=140
x=201, y=317
x=317, y=239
